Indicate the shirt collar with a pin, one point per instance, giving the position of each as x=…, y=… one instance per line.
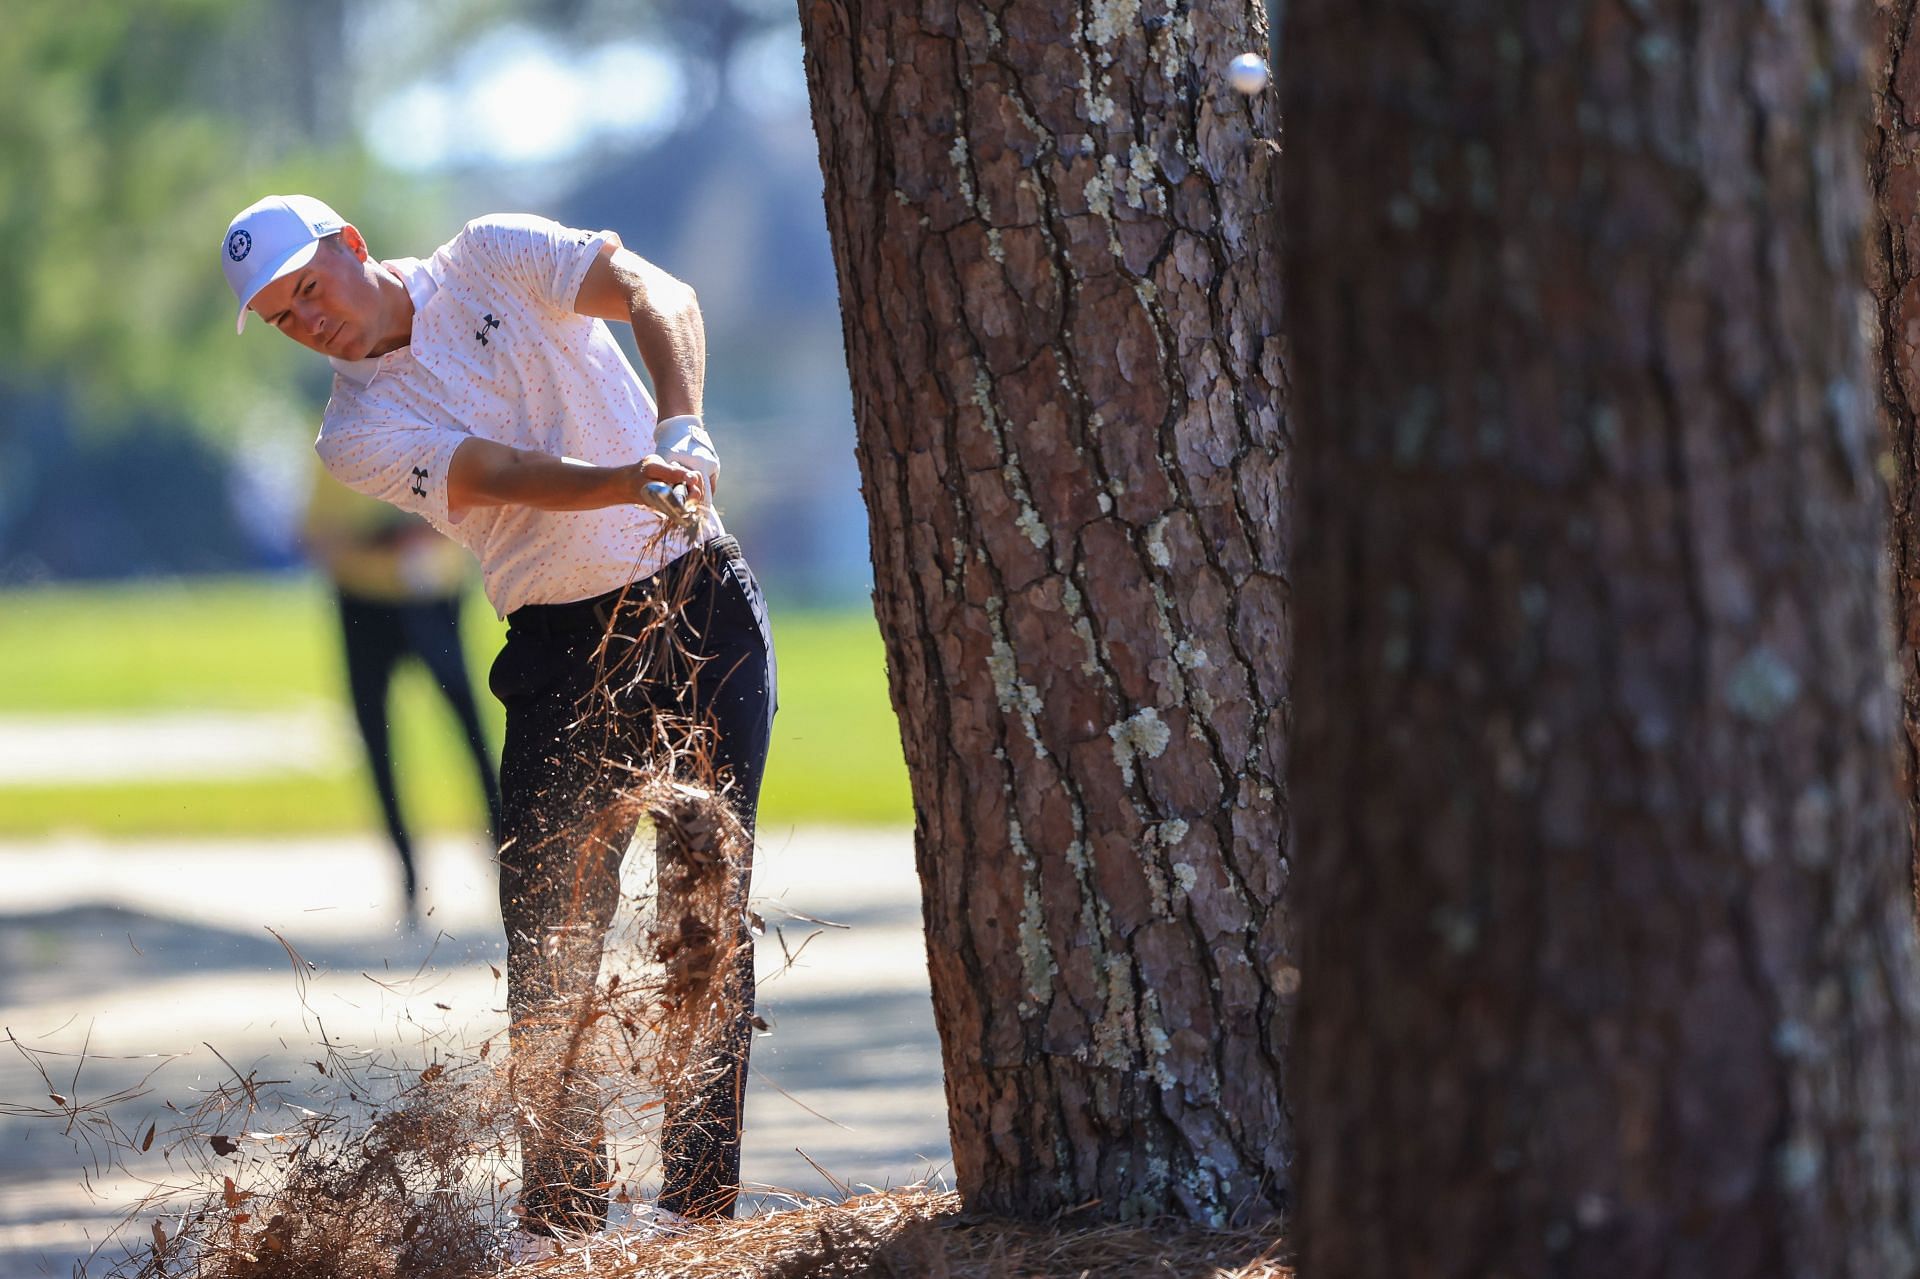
x=421, y=286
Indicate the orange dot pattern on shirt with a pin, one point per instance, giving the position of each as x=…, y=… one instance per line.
x=544, y=378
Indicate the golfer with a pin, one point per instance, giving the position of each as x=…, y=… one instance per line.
x=481, y=389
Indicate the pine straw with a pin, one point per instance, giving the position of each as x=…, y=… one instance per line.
x=917, y=1233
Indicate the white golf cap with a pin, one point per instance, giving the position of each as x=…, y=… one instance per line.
x=268, y=239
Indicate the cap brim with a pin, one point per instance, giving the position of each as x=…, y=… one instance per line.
x=292, y=262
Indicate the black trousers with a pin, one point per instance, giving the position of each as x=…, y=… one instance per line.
x=378, y=635
x=572, y=735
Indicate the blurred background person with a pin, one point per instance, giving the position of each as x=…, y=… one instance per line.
x=398, y=586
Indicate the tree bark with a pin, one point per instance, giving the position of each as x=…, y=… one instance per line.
x=1053, y=226
x=1893, y=272
x=1609, y=965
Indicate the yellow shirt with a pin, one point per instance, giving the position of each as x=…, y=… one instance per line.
x=375, y=551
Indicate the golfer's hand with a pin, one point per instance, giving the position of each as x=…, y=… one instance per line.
x=654, y=467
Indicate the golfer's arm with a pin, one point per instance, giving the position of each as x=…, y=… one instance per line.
x=486, y=473
x=665, y=315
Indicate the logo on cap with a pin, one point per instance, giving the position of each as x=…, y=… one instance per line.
x=239, y=244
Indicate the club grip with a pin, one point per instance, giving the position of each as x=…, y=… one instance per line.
x=670, y=501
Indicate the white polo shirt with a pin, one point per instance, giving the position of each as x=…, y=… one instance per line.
x=498, y=351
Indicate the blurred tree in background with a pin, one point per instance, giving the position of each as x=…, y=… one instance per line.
x=137, y=436
x=129, y=134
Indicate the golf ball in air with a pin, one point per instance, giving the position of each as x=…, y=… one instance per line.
x=1248, y=73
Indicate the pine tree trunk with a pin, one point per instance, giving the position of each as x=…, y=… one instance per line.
x=1609, y=967
x=1893, y=270
x=1054, y=231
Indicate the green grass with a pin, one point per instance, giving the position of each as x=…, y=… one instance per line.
x=263, y=643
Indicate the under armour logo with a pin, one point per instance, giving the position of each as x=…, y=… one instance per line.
x=488, y=323
x=419, y=481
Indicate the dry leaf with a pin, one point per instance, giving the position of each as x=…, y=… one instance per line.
x=58, y=1100
x=222, y=1144
x=432, y=1073
x=146, y=1142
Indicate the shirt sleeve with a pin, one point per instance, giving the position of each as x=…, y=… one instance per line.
x=402, y=463
x=540, y=257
